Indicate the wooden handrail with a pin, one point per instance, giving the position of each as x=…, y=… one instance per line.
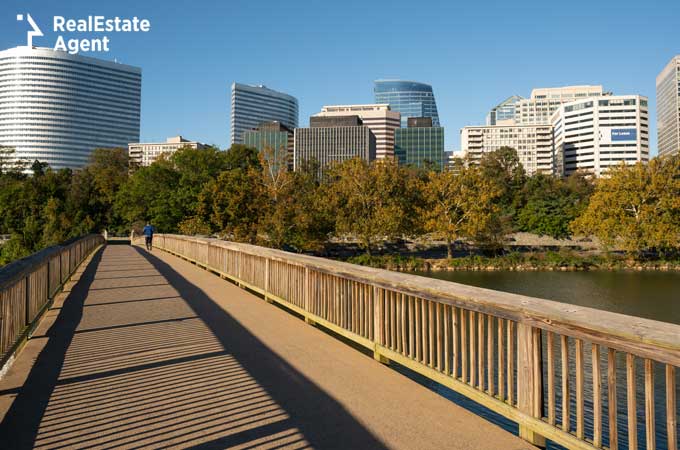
x=28, y=285
x=514, y=354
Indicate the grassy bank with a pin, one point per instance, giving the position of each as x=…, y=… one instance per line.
x=516, y=261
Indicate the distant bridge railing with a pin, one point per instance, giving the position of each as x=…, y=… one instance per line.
x=524, y=358
x=27, y=287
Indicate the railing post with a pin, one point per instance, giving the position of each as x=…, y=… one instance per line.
x=266, y=281
x=266, y=275
x=308, y=296
x=48, y=278
x=529, y=380
x=378, y=326
x=28, y=299
x=238, y=267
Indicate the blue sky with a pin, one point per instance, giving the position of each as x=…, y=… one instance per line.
x=474, y=54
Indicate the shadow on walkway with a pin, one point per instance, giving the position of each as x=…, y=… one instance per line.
x=323, y=422
x=165, y=367
x=21, y=423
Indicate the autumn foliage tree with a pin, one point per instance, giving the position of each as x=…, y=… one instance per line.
x=372, y=201
x=636, y=207
x=459, y=205
x=295, y=216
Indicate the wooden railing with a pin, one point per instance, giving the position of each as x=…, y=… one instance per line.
x=522, y=357
x=27, y=287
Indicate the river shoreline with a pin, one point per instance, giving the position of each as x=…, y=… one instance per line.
x=515, y=262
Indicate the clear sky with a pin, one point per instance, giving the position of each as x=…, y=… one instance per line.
x=474, y=53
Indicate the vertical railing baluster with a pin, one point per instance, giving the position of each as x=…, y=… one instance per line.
x=671, y=411
x=650, y=429
x=480, y=351
x=473, y=348
x=566, y=403
x=447, y=339
x=430, y=332
x=551, y=377
x=611, y=397
x=632, y=404
x=511, y=362
x=418, y=326
x=456, y=343
x=501, y=359
x=464, y=352
x=597, y=395
x=489, y=355
x=579, y=389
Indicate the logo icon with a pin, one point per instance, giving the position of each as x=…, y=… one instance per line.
x=30, y=34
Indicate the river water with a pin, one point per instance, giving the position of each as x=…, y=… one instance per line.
x=653, y=295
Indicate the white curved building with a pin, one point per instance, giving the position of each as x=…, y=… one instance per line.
x=57, y=108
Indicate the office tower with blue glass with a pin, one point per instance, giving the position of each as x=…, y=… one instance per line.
x=253, y=105
x=420, y=144
x=410, y=98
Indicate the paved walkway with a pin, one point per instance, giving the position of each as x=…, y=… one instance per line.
x=149, y=351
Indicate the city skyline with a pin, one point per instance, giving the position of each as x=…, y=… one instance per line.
x=469, y=71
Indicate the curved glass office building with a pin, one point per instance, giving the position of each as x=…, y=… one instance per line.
x=56, y=107
x=254, y=105
x=410, y=98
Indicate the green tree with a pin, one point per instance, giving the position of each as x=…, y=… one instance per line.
x=56, y=227
x=94, y=189
x=149, y=195
x=242, y=157
x=13, y=249
x=195, y=168
x=504, y=168
x=551, y=204
x=167, y=192
x=9, y=163
x=636, y=207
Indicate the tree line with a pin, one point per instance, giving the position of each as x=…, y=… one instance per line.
x=244, y=195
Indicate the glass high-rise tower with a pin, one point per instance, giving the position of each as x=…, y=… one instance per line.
x=420, y=144
x=410, y=98
x=668, y=108
x=57, y=108
x=253, y=105
x=504, y=112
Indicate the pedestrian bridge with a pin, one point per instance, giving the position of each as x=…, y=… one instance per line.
x=185, y=347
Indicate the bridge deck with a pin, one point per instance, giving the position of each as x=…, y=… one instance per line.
x=149, y=351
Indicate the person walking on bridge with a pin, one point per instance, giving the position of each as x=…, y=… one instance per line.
x=148, y=236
